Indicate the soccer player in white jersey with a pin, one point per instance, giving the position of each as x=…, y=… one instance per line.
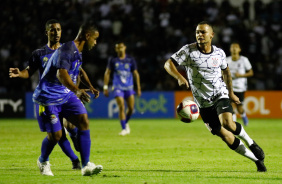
x=240, y=68
x=205, y=64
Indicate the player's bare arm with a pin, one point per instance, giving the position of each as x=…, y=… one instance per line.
x=106, y=82
x=249, y=73
x=15, y=72
x=137, y=79
x=64, y=78
x=85, y=80
x=228, y=80
x=171, y=69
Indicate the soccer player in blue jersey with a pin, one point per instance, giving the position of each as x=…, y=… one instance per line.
x=36, y=62
x=124, y=69
x=58, y=96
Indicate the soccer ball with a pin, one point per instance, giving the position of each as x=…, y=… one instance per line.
x=187, y=111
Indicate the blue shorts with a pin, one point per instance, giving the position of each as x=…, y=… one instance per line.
x=50, y=117
x=123, y=93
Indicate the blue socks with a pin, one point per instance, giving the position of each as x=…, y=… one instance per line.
x=127, y=118
x=46, y=149
x=123, y=123
x=84, y=143
x=66, y=147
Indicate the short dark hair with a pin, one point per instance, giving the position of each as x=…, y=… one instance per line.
x=87, y=28
x=51, y=21
x=207, y=23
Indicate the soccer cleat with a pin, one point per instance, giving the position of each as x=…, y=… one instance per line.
x=44, y=168
x=127, y=128
x=75, y=143
x=123, y=132
x=76, y=164
x=91, y=169
x=260, y=165
x=245, y=120
x=257, y=151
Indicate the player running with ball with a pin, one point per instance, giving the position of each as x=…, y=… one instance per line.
x=204, y=64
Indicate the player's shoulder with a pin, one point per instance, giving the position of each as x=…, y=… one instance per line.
x=229, y=58
x=190, y=47
x=244, y=58
x=217, y=50
x=129, y=57
x=40, y=50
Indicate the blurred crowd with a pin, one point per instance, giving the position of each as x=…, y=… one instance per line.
x=152, y=31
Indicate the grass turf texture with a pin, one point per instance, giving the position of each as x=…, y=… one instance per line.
x=162, y=151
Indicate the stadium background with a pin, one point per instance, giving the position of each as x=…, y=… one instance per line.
x=152, y=30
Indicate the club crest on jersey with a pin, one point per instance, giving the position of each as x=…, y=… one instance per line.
x=45, y=59
x=117, y=65
x=54, y=119
x=215, y=62
x=126, y=66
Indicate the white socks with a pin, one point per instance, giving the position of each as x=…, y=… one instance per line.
x=242, y=150
x=244, y=136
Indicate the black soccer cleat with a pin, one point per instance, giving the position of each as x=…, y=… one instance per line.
x=257, y=151
x=76, y=164
x=260, y=165
x=75, y=143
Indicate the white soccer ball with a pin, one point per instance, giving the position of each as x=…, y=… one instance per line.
x=187, y=111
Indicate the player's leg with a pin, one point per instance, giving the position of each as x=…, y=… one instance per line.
x=240, y=109
x=240, y=132
x=130, y=108
x=214, y=123
x=66, y=148
x=49, y=122
x=75, y=112
x=225, y=118
x=243, y=114
x=72, y=132
x=237, y=129
x=122, y=117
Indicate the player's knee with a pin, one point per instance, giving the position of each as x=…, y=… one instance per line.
x=130, y=111
x=84, y=123
x=55, y=137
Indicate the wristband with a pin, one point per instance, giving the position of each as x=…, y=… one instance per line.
x=105, y=87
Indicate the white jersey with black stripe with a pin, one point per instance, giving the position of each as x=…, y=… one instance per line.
x=204, y=73
x=242, y=65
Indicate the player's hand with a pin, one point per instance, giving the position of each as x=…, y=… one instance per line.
x=183, y=82
x=94, y=91
x=106, y=92
x=237, y=75
x=234, y=98
x=82, y=95
x=14, y=72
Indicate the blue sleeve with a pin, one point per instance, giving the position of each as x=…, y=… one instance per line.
x=64, y=60
x=34, y=61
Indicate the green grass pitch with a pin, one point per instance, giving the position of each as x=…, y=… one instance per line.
x=159, y=151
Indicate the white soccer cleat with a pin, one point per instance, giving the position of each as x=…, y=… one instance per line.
x=45, y=168
x=127, y=128
x=91, y=169
x=123, y=132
